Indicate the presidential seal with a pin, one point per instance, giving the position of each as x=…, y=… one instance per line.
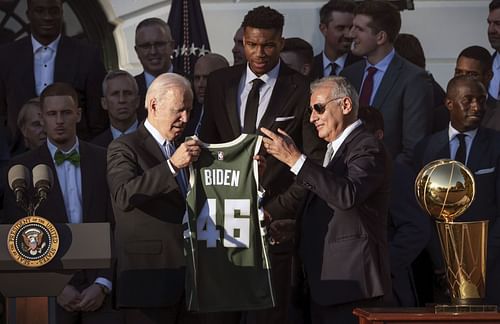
x=33, y=241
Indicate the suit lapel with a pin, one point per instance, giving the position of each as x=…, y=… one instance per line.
x=55, y=200
x=390, y=78
x=231, y=97
x=478, y=150
x=65, y=61
x=282, y=91
x=87, y=181
x=150, y=144
x=341, y=149
x=26, y=69
x=440, y=146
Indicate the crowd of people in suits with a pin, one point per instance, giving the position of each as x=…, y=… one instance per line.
x=345, y=133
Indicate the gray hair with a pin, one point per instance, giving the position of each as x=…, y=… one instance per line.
x=167, y=81
x=154, y=21
x=117, y=73
x=21, y=117
x=340, y=87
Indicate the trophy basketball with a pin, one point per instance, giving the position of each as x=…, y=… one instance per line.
x=445, y=189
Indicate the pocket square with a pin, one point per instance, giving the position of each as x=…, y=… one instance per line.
x=485, y=171
x=280, y=119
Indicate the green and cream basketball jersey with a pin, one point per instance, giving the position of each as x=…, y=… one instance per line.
x=227, y=262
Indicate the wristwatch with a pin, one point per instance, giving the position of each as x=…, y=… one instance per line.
x=104, y=289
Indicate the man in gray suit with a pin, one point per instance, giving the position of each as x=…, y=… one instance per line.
x=386, y=81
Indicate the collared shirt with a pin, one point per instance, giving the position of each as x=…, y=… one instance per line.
x=162, y=142
x=265, y=91
x=150, y=78
x=454, y=141
x=117, y=133
x=335, y=144
x=69, y=177
x=44, y=60
x=494, y=88
x=381, y=67
x=327, y=67
x=70, y=181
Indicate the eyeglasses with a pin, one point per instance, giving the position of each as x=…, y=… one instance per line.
x=321, y=107
x=157, y=45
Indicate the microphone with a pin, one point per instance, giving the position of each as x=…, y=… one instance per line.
x=19, y=176
x=42, y=181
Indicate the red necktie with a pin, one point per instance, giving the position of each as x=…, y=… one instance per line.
x=367, y=90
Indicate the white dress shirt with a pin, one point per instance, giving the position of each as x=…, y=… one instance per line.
x=335, y=144
x=44, y=60
x=454, y=142
x=494, y=88
x=69, y=177
x=265, y=92
x=327, y=64
x=117, y=133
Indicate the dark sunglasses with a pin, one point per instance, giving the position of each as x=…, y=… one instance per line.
x=321, y=107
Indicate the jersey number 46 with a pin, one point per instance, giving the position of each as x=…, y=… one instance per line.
x=236, y=229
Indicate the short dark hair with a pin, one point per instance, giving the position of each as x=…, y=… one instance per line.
x=495, y=4
x=409, y=47
x=30, y=1
x=115, y=74
x=453, y=84
x=301, y=47
x=153, y=21
x=372, y=118
x=385, y=17
x=59, y=89
x=335, y=5
x=480, y=54
x=264, y=18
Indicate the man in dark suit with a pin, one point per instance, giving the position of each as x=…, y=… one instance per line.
x=494, y=38
x=335, y=22
x=30, y=64
x=154, y=47
x=79, y=194
x=480, y=152
x=408, y=230
x=121, y=101
x=205, y=65
x=147, y=185
x=399, y=89
x=475, y=61
x=298, y=55
x=343, y=234
x=264, y=92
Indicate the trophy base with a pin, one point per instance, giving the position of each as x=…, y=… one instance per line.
x=455, y=309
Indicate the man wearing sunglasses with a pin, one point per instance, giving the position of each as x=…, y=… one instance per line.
x=343, y=231
x=154, y=47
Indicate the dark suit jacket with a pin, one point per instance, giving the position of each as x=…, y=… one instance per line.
x=103, y=139
x=409, y=232
x=142, y=113
x=76, y=63
x=290, y=98
x=317, y=70
x=149, y=208
x=343, y=241
x=96, y=203
x=404, y=98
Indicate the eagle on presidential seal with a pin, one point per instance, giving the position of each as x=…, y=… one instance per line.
x=33, y=241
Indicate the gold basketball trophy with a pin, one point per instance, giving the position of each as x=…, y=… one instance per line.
x=445, y=189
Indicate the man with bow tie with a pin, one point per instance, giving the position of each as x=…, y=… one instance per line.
x=79, y=195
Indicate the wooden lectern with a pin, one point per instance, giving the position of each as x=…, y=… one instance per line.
x=82, y=246
x=421, y=316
